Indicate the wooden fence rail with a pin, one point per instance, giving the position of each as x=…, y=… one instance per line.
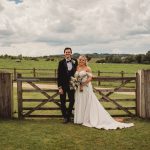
x=35, y=72
x=29, y=111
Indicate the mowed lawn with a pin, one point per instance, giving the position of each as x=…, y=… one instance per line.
x=51, y=134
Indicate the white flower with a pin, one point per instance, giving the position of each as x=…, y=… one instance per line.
x=73, y=61
x=76, y=82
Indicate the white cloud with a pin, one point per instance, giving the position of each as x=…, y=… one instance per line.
x=40, y=27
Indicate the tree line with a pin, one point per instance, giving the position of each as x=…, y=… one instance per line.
x=119, y=58
x=126, y=58
x=99, y=58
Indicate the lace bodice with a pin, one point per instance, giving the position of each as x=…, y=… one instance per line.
x=83, y=74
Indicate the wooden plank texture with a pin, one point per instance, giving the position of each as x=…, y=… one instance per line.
x=6, y=101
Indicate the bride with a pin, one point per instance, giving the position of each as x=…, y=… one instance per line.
x=88, y=110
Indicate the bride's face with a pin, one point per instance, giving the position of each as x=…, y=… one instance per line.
x=82, y=61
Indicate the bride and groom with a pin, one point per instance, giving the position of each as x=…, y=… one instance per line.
x=88, y=110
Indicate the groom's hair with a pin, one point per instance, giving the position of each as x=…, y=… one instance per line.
x=67, y=49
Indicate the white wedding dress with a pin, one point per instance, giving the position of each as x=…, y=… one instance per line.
x=88, y=110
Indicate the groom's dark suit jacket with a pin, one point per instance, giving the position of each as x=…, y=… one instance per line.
x=64, y=75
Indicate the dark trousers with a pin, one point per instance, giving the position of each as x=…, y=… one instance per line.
x=67, y=112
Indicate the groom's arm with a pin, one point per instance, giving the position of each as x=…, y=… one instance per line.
x=59, y=80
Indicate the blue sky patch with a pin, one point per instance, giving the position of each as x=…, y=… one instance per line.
x=17, y=1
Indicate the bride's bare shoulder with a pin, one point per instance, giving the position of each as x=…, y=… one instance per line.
x=88, y=69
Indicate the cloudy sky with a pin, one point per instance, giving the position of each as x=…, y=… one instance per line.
x=46, y=27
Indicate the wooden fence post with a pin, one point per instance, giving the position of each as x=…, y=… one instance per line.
x=19, y=94
x=34, y=72
x=137, y=86
x=143, y=94
x=122, y=75
x=6, y=98
x=99, y=83
x=15, y=74
x=55, y=73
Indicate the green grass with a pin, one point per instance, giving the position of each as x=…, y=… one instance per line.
x=51, y=134
x=27, y=64
x=42, y=64
x=129, y=69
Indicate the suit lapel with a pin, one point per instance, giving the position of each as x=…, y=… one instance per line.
x=73, y=64
x=65, y=65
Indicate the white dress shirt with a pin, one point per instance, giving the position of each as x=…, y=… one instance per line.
x=69, y=64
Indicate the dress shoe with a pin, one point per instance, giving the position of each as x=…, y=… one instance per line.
x=69, y=120
x=65, y=120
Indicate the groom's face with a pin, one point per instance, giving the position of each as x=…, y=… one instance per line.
x=67, y=53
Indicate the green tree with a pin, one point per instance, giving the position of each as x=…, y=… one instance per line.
x=129, y=59
x=139, y=58
x=116, y=59
x=19, y=56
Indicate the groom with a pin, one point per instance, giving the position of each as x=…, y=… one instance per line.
x=66, y=69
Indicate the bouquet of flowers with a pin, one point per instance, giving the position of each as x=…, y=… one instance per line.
x=76, y=82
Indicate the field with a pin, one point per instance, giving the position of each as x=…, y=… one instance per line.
x=49, y=134
x=42, y=64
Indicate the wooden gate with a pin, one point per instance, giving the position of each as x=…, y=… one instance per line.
x=104, y=93
x=41, y=102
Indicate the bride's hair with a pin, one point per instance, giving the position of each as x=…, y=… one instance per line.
x=85, y=58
